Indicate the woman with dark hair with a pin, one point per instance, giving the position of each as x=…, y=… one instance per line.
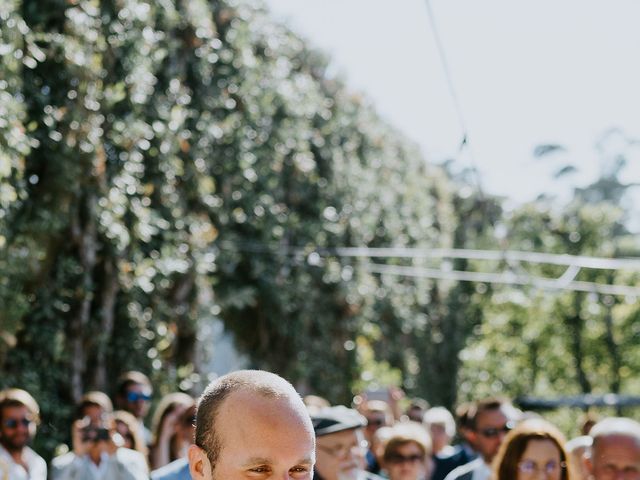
x=173, y=429
x=534, y=449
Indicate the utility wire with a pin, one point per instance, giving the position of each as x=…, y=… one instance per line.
x=581, y=261
x=565, y=282
x=465, y=142
x=506, y=278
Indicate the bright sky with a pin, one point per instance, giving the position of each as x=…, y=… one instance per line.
x=525, y=73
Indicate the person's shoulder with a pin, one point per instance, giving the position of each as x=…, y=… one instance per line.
x=176, y=470
x=63, y=460
x=36, y=461
x=464, y=472
x=127, y=455
x=372, y=476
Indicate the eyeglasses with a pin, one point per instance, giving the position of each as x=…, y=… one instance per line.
x=530, y=467
x=340, y=451
x=14, y=422
x=397, y=459
x=135, y=396
x=494, y=432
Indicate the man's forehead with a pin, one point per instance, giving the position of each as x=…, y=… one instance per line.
x=14, y=409
x=495, y=415
x=616, y=444
x=138, y=387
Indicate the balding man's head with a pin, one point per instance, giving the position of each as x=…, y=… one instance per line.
x=615, y=450
x=252, y=420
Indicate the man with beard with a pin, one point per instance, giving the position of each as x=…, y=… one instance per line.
x=340, y=445
x=18, y=418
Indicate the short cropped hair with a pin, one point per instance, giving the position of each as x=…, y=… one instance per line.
x=488, y=404
x=260, y=382
x=515, y=444
x=16, y=397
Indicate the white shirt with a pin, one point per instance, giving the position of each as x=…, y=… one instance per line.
x=482, y=471
x=98, y=471
x=10, y=470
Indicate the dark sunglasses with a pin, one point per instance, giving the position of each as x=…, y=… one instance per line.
x=494, y=432
x=397, y=459
x=14, y=422
x=135, y=396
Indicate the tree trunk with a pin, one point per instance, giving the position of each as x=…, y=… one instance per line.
x=85, y=237
x=108, y=297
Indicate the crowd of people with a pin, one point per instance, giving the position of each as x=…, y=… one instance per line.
x=254, y=425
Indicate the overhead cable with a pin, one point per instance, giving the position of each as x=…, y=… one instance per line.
x=465, y=142
x=506, y=278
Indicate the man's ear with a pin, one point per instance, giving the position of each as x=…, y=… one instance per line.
x=199, y=465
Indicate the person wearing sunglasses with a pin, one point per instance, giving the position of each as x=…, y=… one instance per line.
x=18, y=417
x=340, y=445
x=533, y=450
x=489, y=421
x=407, y=455
x=133, y=394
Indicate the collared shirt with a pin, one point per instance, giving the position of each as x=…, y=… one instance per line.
x=10, y=470
x=98, y=471
x=482, y=471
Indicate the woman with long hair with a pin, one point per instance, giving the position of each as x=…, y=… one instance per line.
x=534, y=449
x=173, y=428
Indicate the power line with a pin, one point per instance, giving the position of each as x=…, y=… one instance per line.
x=505, y=278
x=566, y=281
x=465, y=142
x=581, y=261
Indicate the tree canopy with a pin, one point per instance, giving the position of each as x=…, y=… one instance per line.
x=164, y=164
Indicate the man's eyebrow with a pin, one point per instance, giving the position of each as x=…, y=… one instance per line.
x=257, y=461
x=267, y=461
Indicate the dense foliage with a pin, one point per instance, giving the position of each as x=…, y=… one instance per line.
x=167, y=164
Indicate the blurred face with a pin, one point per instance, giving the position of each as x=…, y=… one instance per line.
x=491, y=427
x=14, y=427
x=262, y=439
x=576, y=457
x=375, y=420
x=415, y=414
x=615, y=457
x=94, y=412
x=186, y=427
x=541, y=459
x=340, y=455
x=123, y=429
x=406, y=462
x=137, y=398
x=439, y=436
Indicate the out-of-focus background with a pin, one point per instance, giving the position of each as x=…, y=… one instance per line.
x=366, y=195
